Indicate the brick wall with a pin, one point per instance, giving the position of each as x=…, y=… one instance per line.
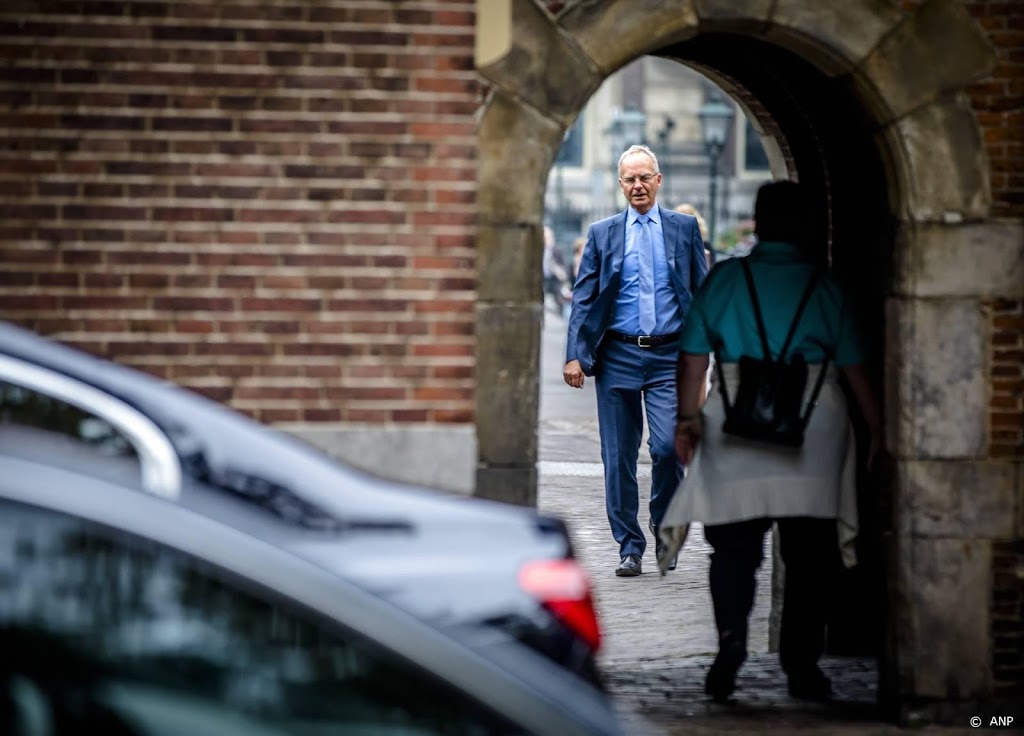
x=1007, y=618
x=270, y=203
x=1006, y=416
x=999, y=104
x=1006, y=432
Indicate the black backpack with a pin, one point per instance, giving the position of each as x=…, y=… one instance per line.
x=768, y=406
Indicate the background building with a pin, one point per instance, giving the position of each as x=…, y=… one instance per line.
x=664, y=104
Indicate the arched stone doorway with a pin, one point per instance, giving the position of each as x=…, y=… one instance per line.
x=865, y=103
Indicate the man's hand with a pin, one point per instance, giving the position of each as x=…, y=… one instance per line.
x=573, y=374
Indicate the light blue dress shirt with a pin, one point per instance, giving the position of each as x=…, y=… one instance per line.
x=626, y=317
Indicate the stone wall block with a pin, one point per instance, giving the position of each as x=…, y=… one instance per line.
x=951, y=647
x=436, y=456
x=510, y=485
x=509, y=263
x=543, y=67
x=936, y=379
x=904, y=499
x=962, y=499
x=614, y=33
x=508, y=392
x=843, y=33
x=984, y=260
x=517, y=147
x=935, y=50
x=944, y=153
x=901, y=580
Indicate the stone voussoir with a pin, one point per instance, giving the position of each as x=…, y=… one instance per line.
x=945, y=158
x=543, y=67
x=614, y=33
x=913, y=64
x=844, y=33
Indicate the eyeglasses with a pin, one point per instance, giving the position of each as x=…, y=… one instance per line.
x=631, y=180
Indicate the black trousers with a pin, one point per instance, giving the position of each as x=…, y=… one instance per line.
x=810, y=552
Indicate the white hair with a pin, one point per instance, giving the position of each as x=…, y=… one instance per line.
x=639, y=148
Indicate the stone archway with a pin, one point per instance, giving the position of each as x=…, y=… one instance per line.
x=907, y=84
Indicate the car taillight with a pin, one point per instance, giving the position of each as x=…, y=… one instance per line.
x=563, y=587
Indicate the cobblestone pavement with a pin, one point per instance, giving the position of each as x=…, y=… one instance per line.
x=659, y=634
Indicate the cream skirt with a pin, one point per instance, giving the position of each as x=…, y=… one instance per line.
x=732, y=479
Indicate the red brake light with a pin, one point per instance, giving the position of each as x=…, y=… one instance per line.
x=563, y=587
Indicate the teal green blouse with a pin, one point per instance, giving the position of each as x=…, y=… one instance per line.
x=722, y=314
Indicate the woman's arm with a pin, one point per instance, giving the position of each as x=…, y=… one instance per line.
x=691, y=371
x=868, y=403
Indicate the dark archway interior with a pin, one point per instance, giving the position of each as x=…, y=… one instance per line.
x=830, y=143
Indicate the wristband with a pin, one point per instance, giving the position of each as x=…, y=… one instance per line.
x=687, y=417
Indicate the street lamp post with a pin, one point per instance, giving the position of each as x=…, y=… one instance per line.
x=562, y=158
x=715, y=120
x=665, y=150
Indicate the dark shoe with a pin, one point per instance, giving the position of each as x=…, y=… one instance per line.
x=629, y=567
x=721, y=680
x=659, y=546
x=810, y=685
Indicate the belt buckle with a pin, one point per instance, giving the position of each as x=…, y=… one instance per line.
x=640, y=341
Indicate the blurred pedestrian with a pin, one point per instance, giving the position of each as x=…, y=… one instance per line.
x=739, y=487
x=577, y=256
x=638, y=273
x=554, y=273
x=688, y=209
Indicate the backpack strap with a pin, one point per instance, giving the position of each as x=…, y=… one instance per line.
x=811, y=283
x=812, y=400
x=752, y=290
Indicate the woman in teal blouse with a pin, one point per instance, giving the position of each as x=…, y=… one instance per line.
x=738, y=488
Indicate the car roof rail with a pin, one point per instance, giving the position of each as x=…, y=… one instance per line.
x=161, y=470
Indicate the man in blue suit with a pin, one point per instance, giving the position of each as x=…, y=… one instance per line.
x=639, y=272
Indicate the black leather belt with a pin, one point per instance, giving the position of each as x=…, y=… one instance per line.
x=644, y=341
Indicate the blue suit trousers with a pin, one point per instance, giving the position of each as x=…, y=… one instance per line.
x=628, y=380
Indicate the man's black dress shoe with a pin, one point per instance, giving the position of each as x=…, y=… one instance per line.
x=721, y=680
x=659, y=546
x=810, y=684
x=629, y=567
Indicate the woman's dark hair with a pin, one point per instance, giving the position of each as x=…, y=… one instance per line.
x=781, y=212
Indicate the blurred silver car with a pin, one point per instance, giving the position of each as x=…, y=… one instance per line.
x=122, y=613
x=490, y=576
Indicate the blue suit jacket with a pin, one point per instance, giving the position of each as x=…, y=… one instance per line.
x=600, y=272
